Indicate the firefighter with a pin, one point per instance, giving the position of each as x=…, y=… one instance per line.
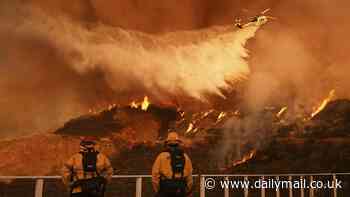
x=87, y=172
x=172, y=170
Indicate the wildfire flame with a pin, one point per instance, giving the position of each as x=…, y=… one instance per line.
x=190, y=127
x=144, y=104
x=100, y=108
x=237, y=113
x=111, y=106
x=220, y=116
x=246, y=158
x=281, y=112
x=323, y=103
x=197, y=117
x=134, y=105
x=206, y=114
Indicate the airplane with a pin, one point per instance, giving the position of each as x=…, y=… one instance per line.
x=256, y=20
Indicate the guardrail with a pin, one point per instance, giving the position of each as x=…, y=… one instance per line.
x=39, y=185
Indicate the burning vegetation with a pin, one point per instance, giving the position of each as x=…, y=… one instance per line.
x=323, y=103
x=144, y=104
x=245, y=158
x=233, y=129
x=324, y=138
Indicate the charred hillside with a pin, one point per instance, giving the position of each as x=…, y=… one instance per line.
x=318, y=144
x=132, y=138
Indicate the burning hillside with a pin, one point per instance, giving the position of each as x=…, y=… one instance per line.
x=148, y=120
x=231, y=138
x=289, y=148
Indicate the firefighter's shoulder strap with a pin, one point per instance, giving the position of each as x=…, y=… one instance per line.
x=96, y=184
x=89, y=162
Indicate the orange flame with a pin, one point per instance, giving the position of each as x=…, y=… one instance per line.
x=144, y=104
x=190, y=128
x=246, y=158
x=281, y=112
x=134, y=105
x=220, y=116
x=323, y=103
x=111, y=106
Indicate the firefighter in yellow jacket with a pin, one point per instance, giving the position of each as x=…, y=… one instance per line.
x=172, y=170
x=87, y=172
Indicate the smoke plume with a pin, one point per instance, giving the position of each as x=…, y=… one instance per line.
x=61, y=57
x=157, y=64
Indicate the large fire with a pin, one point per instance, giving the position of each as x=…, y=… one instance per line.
x=324, y=103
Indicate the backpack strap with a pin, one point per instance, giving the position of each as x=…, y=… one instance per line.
x=83, y=163
x=182, y=172
x=174, y=152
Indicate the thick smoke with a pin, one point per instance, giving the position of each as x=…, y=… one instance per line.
x=242, y=136
x=60, y=53
x=301, y=56
x=154, y=63
x=296, y=59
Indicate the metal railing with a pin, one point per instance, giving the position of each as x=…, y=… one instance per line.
x=39, y=182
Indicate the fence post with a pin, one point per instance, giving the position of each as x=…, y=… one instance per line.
x=202, y=186
x=302, y=187
x=334, y=185
x=290, y=178
x=138, y=186
x=278, y=194
x=263, y=192
x=246, y=189
x=227, y=189
x=39, y=188
x=312, y=192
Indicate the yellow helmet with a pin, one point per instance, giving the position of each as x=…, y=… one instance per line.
x=173, y=138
